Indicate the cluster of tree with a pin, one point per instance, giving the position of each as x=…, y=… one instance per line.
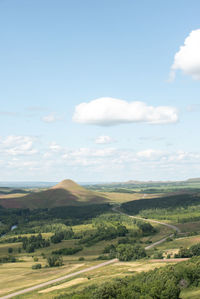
x=167, y=202
x=34, y=242
x=50, y=228
x=145, y=228
x=104, y=232
x=124, y=252
x=7, y=259
x=162, y=283
x=54, y=261
x=194, y=250
x=62, y=235
x=67, y=251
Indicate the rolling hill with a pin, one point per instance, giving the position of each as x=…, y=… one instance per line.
x=66, y=193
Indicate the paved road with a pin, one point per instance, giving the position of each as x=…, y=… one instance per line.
x=44, y=284
x=116, y=209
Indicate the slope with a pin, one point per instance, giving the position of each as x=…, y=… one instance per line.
x=66, y=193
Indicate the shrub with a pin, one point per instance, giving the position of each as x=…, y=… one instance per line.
x=10, y=250
x=35, y=258
x=81, y=258
x=67, y=251
x=36, y=266
x=55, y=261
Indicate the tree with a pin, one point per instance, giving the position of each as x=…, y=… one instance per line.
x=55, y=261
x=10, y=250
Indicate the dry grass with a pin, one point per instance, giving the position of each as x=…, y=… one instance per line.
x=65, y=285
x=124, y=197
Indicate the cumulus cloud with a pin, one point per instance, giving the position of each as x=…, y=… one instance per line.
x=111, y=111
x=17, y=145
x=103, y=140
x=187, y=59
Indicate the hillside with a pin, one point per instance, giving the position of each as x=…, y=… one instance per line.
x=66, y=193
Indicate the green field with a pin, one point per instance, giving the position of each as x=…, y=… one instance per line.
x=94, y=228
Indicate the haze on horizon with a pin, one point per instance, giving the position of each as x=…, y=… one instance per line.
x=99, y=91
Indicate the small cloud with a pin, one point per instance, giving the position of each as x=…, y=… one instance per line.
x=51, y=118
x=187, y=59
x=103, y=140
x=54, y=147
x=111, y=111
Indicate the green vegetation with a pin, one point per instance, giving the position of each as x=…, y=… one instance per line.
x=55, y=261
x=79, y=236
x=162, y=283
x=36, y=266
x=67, y=251
x=178, y=208
x=194, y=250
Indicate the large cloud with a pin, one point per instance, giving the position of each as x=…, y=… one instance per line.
x=110, y=111
x=187, y=58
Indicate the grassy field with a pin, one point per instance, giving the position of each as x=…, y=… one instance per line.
x=19, y=275
x=96, y=277
x=191, y=293
x=14, y=276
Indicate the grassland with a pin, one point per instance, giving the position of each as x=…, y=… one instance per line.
x=19, y=275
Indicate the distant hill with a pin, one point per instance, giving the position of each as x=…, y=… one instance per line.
x=66, y=193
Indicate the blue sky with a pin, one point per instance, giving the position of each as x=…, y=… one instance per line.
x=57, y=55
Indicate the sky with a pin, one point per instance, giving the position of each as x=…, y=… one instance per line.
x=99, y=91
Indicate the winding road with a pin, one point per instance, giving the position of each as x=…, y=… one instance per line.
x=115, y=209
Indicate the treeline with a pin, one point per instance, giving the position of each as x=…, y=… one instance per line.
x=178, y=208
x=104, y=232
x=194, y=250
x=162, y=283
x=62, y=235
x=67, y=215
x=67, y=251
x=34, y=242
x=124, y=252
x=167, y=202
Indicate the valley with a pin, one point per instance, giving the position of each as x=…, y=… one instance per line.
x=66, y=251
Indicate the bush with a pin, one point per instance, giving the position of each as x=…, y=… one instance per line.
x=35, y=258
x=158, y=255
x=81, y=258
x=36, y=266
x=67, y=251
x=55, y=261
x=10, y=250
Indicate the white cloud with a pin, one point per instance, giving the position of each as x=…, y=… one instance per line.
x=187, y=59
x=50, y=118
x=17, y=145
x=149, y=154
x=103, y=140
x=54, y=147
x=111, y=111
